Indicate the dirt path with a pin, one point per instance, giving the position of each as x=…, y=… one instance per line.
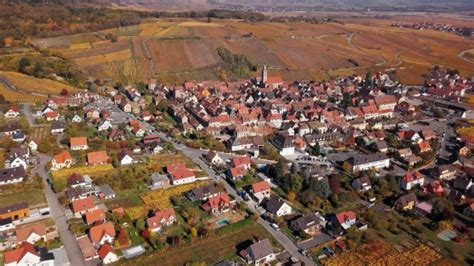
x=462, y=53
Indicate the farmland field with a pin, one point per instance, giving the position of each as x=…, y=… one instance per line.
x=211, y=249
x=174, y=50
x=381, y=253
x=34, y=197
x=34, y=85
x=14, y=96
x=39, y=133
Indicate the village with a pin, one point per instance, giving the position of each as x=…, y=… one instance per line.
x=253, y=171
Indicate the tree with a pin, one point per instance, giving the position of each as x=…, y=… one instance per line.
x=346, y=100
x=316, y=150
x=163, y=105
x=38, y=71
x=194, y=231
x=23, y=64
x=321, y=188
x=140, y=224
x=291, y=196
x=64, y=92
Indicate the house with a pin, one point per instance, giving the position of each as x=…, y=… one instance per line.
x=412, y=160
x=180, y=174
x=406, y=202
x=61, y=160
x=95, y=216
x=106, y=192
x=277, y=206
x=161, y=219
x=9, y=129
x=424, y=208
x=77, y=180
x=79, y=144
x=80, y=207
x=362, y=183
x=404, y=153
x=237, y=173
x=97, y=158
x=104, y=125
x=204, y=192
x=51, y=116
x=159, y=181
x=13, y=112
x=6, y=225
x=259, y=253
x=218, y=204
x=424, y=146
x=346, y=219
x=411, y=180
x=33, y=146
x=385, y=102
x=107, y=254
x=428, y=134
x=359, y=162
x=76, y=119
x=310, y=224
x=27, y=254
x=18, y=136
x=261, y=190
x=102, y=233
x=434, y=187
x=31, y=233
x=445, y=172
x=16, y=160
x=125, y=157
x=15, y=211
x=81, y=192
x=151, y=139
x=214, y=158
x=284, y=143
x=243, y=162
x=12, y=175
x=58, y=128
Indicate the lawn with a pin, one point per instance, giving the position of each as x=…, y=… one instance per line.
x=34, y=197
x=223, y=245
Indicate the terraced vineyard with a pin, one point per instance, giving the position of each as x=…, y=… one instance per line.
x=175, y=50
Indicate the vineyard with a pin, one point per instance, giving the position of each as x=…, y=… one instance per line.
x=382, y=253
x=35, y=85
x=160, y=199
x=14, y=96
x=39, y=133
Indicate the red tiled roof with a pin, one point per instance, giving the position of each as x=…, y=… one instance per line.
x=424, y=146
x=344, y=216
x=97, y=157
x=105, y=250
x=241, y=161
x=237, y=171
x=97, y=232
x=166, y=215
x=95, y=216
x=217, y=202
x=23, y=233
x=79, y=141
x=62, y=157
x=83, y=204
x=16, y=255
x=410, y=177
x=260, y=186
x=179, y=171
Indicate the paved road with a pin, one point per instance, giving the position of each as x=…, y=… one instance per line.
x=57, y=211
x=26, y=110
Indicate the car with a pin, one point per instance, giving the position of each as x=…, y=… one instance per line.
x=275, y=226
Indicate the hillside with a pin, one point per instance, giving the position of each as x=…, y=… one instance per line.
x=184, y=49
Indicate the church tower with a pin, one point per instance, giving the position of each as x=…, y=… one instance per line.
x=264, y=74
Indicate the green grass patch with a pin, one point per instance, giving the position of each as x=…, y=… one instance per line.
x=34, y=198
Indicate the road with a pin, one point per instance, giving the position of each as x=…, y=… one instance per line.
x=26, y=109
x=68, y=239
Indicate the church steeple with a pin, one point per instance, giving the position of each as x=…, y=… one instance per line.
x=264, y=74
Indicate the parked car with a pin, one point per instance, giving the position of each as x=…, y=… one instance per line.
x=275, y=226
